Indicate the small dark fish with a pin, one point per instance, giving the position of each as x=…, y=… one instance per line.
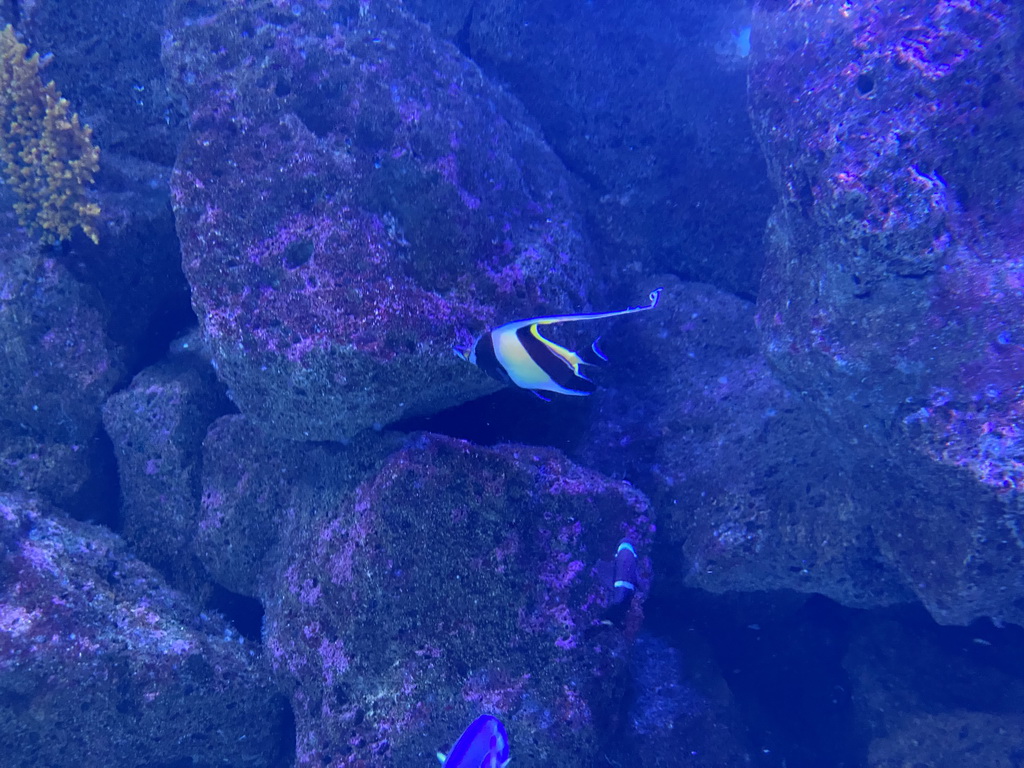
x=624, y=588
x=625, y=584
x=625, y=572
x=484, y=744
x=517, y=354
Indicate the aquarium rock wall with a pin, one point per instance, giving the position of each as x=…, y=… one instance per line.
x=299, y=300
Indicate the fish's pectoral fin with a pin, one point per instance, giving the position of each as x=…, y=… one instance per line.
x=538, y=394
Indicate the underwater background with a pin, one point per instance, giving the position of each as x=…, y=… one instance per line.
x=254, y=511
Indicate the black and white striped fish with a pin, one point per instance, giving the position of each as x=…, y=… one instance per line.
x=516, y=353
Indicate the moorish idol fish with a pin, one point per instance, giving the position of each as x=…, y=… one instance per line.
x=484, y=744
x=516, y=353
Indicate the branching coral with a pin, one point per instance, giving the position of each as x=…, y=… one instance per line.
x=47, y=154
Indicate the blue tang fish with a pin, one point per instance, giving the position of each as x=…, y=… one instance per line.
x=516, y=353
x=484, y=744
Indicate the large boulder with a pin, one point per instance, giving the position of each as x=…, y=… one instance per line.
x=458, y=580
x=648, y=109
x=892, y=294
x=407, y=591
x=352, y=196
x=157, y=425
x=753, y=490
x=99, y=659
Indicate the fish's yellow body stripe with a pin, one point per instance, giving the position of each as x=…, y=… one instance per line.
x=517, y=362
x=569, y=357
x=521, y=368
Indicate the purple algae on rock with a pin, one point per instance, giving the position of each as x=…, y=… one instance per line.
x=353, y=194
x=892, y=290
x=457, y=580
x=751, y=495
x=98, y=657
x=258, y=491
x=157, y=425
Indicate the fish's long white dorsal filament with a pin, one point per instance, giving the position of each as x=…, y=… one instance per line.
x=654, y=297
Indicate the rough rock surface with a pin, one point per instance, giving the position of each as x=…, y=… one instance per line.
x=157, y=425
x=407, y=591
x=59, y=472
x=74, y=320
x=446, y=581
x=681, y=710
x=753, y=491
x=99, y=658
x=107, y=63
x=893, y=291
x=353, y=195
x=943, y=700
x=56, y=368
x=57, y=365
x=648, y=110
x=257, y=489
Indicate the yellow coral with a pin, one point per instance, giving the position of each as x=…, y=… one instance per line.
x=47, y=154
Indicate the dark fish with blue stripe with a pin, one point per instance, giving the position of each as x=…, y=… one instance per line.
x=625, y=583
x=623, y=589
x=484, y=744
x=516, y=353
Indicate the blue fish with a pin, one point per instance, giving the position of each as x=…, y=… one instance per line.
x=516, y=353
x=484, y=744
